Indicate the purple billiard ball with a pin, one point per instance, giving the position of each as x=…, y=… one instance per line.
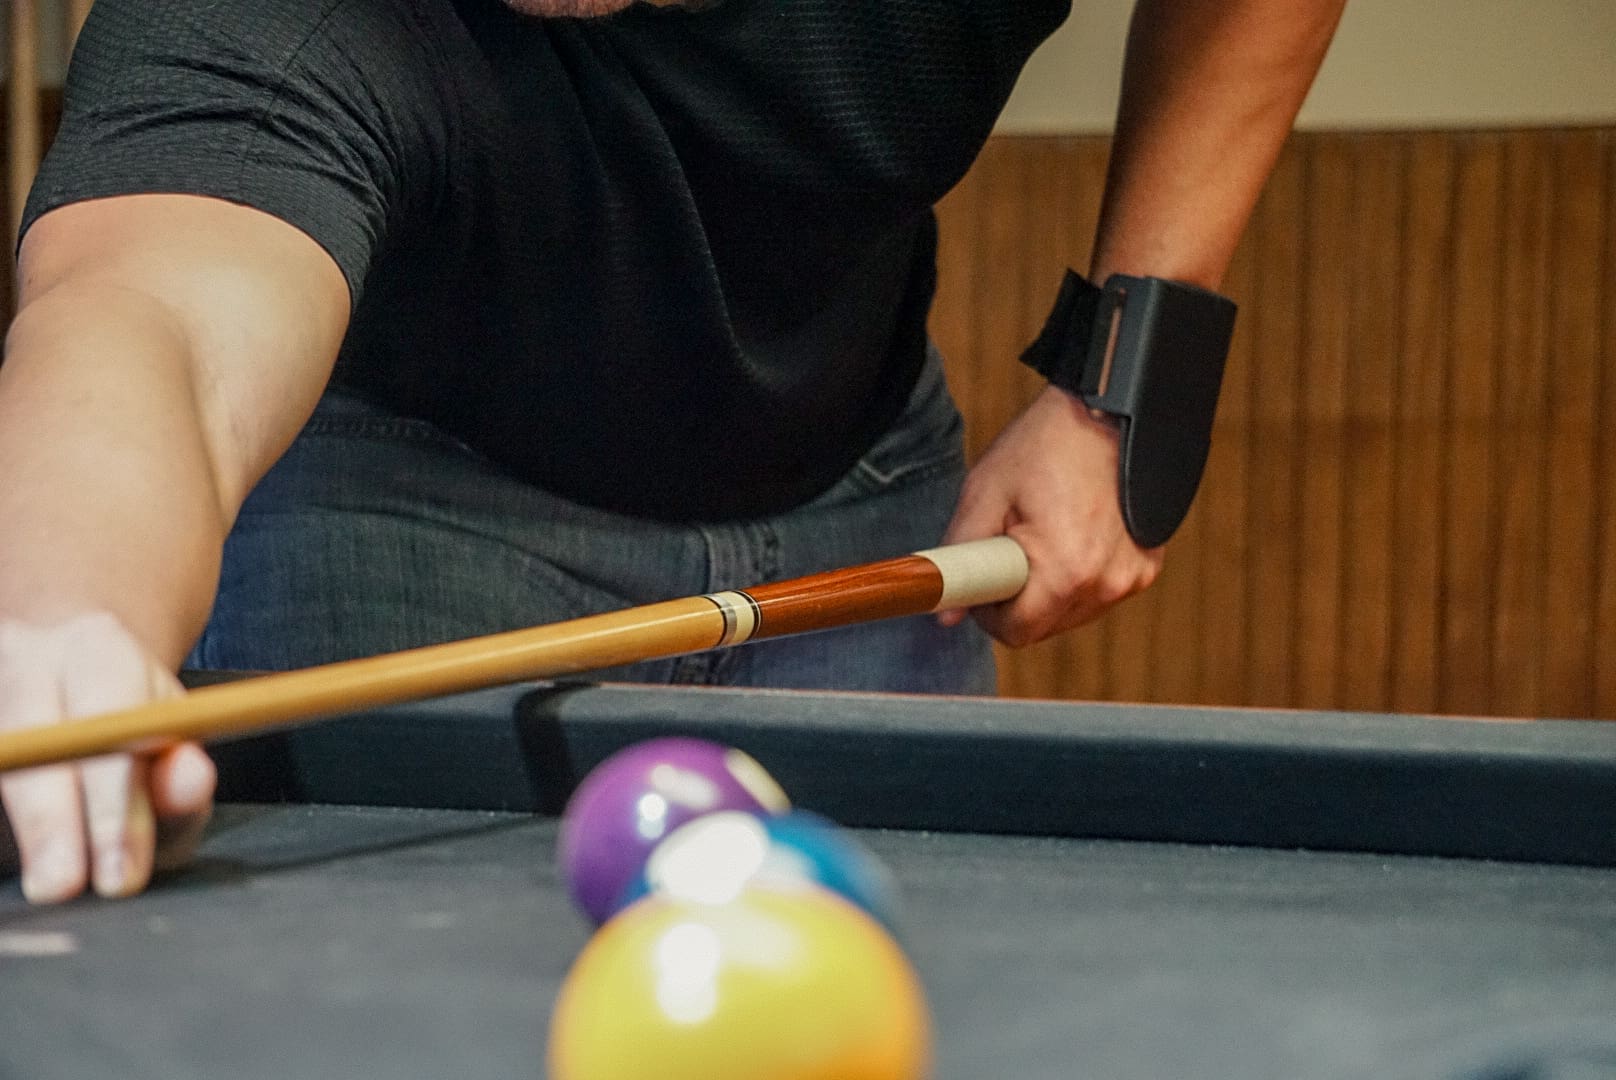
x=640, y=794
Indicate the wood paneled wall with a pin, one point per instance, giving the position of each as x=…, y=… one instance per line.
x=1411, y=501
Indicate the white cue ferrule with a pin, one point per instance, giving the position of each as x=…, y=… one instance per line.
x=741, y=616
x=978, y=571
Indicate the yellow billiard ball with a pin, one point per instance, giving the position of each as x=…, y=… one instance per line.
x=777, y=984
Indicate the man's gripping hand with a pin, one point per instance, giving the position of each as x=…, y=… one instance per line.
x=108, y=822
x=1050, y=481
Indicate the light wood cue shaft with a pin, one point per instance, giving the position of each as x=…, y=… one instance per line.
x=961, y=575
x=23, y=138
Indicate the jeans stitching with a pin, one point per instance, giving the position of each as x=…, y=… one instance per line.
x=379, y=427
x=910, y=472
x=394, y=429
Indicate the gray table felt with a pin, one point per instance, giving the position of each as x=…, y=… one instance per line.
x=396, y=944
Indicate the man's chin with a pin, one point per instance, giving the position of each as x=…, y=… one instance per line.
x=568, y=9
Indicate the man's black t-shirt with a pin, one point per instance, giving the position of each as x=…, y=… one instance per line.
x=672, y=263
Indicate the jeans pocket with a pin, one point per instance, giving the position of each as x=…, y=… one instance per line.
x=927, y=439
x=341, y=416
x=891, y=466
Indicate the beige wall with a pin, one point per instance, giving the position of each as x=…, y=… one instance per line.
x=1394, y=64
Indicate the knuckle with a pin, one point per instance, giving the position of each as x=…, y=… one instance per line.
x=1111, y=593
x=39, y=801
x=177, y=839
x=978, y=486
x=1078, y=579
x=1017, y=637
x=1067, y=581
x=1148, y=574
x=94, y=629
x=1067, y=586
x=1006, y=628
x=105, y=777
x=1115, y=586
x=19, y=649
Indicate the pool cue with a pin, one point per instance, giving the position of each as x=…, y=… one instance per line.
x=23, y=137
x=939, y=579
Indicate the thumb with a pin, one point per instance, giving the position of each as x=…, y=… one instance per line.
x=974, y=519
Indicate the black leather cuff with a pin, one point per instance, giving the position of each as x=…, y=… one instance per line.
x=1149, y=352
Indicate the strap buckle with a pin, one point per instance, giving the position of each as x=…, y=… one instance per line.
x=1150, y=353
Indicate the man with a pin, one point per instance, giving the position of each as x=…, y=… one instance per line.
x=613, y=302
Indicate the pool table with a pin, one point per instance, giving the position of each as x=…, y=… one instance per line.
x=1098, y=891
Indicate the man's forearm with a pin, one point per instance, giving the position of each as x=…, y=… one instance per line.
x=109, y=500
x=1210, y=91
x=168, y=349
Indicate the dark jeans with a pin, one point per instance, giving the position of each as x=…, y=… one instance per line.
x=376, y=533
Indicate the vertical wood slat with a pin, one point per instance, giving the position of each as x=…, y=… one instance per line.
x=1470, y=542
x=1605, y=500
x=1225, y=570
x=1578, y=231
x=1404, y=507
x=1326, y=302
x=1274, y=313
x=1521, y=428
x=1421, y=416
x=1373, y=305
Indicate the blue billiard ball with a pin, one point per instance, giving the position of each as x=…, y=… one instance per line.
x=715, y=857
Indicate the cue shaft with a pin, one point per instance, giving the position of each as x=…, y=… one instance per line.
x=960, y=575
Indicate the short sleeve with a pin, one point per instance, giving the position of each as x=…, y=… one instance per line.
x=328, y=114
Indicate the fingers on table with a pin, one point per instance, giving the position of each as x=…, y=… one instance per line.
x=93, y=823
x=182, y=784
x=45, y=806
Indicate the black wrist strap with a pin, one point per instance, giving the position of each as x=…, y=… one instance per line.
x=1149, y=352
